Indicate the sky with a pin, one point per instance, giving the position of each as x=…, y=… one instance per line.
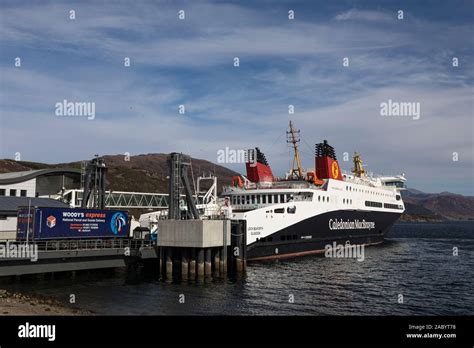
x=282, y=62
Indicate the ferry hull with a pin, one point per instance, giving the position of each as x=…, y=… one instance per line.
x=311, y=236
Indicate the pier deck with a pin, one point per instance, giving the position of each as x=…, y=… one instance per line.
x=72, y=255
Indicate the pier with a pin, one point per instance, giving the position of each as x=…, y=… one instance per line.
x=194, y=249
x=73, y=255
x=187, y=250
x=189, y=245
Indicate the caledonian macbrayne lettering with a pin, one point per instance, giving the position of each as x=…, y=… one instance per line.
x=351, y=225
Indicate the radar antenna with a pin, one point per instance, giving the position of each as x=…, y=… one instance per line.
x=358, y=169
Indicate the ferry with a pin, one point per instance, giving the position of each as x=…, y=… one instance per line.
x=307, y=210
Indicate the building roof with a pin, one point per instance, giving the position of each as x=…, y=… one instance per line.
x=16, y=177
x=9, y=205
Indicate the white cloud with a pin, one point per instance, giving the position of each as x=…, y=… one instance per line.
x=176, y=62
x=364, y=15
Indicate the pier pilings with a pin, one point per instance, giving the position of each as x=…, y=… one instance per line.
x=202, y=248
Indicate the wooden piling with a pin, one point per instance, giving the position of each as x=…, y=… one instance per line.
x=224, y=259
x=184, y=264
x=200, y=263
x=169, y=264
x=161, y=256
x=192, y=264
x=240, y=257
x=208, y=262
x=217, y=261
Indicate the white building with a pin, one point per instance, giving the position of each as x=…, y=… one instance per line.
x=39, y=183
x=24, y=188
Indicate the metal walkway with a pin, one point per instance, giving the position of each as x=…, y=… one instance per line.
x=122, y=199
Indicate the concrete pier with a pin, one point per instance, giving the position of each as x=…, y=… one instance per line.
x=65, y=256
x=202, y=247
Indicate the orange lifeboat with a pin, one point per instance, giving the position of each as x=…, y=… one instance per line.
x=237, y=181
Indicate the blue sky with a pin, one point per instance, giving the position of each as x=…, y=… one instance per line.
x=282, y=62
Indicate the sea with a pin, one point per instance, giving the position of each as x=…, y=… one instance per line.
x=420, y=269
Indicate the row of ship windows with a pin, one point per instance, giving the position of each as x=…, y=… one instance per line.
x=392, y=206
x=323, y=198
x=284, y=198
x=289, y=210
x=385, y=205
x=270, y=239
x=349, y=188
x=259, y=199
x=272, y=199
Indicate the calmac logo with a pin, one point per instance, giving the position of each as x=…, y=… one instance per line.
x=118, y=223
x=335, y=170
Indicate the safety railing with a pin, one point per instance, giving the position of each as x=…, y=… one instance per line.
x=84, y=244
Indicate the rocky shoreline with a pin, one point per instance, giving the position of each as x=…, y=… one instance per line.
x=13, y=303
x=420, y=218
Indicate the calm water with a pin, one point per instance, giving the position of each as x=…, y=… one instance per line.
x=416, y=261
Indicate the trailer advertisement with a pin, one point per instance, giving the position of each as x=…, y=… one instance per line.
x=38, y=223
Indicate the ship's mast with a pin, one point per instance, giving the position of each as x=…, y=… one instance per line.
x=293, y=138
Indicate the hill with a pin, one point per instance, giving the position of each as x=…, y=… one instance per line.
x=444, y=205
x=148, y=172
x=141, y=173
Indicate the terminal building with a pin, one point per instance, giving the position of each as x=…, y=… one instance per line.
x=35, y=188
x=39, y=183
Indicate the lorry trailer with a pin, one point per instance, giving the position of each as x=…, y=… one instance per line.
x=43, y=223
